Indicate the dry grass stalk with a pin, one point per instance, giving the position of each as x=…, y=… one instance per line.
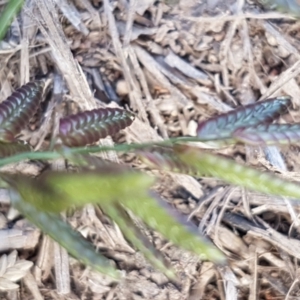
x=62, y=55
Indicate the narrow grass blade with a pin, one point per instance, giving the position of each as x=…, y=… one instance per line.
x=287, y=6
x=7, y=15
x=17, y=109
x=63, y=233
x=132, y=233
x=155, y=216
x=90, y=126
x=237, y=174
x=269, y=134
x=222, y=126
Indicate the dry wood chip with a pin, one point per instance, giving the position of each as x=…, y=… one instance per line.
x=62, y=272
x=62, y=54
x=175, y=61
x=18, y=239
x=208, y=273
x=231, y=242
x=156, y=70
x=136, y=30
x=292, y=89
x=32, y=286
x=143, y=5
x=230, y=283
x=72, y=14
x=12, y=270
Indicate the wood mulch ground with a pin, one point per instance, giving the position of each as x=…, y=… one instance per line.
x=173, y=64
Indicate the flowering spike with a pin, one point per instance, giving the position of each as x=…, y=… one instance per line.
x=161, y=220
x=57, y=191
x=234, y=173
x=89, y=126
x=222, y=126
x=8, y=149
x=17, y=109
x=164, y=158
x=268, y=134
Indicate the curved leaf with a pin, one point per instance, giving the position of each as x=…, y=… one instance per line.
x=88, y=127
x=17, y=109
x=269, y=134
x=64, y=234
x=222, y=126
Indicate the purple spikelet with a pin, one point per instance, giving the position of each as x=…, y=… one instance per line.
x=88, y=127
x=17, y=109
x=222, y=126
x=269, y=134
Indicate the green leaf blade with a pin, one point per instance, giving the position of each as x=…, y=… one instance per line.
x=64, y=234
x=9, y=12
